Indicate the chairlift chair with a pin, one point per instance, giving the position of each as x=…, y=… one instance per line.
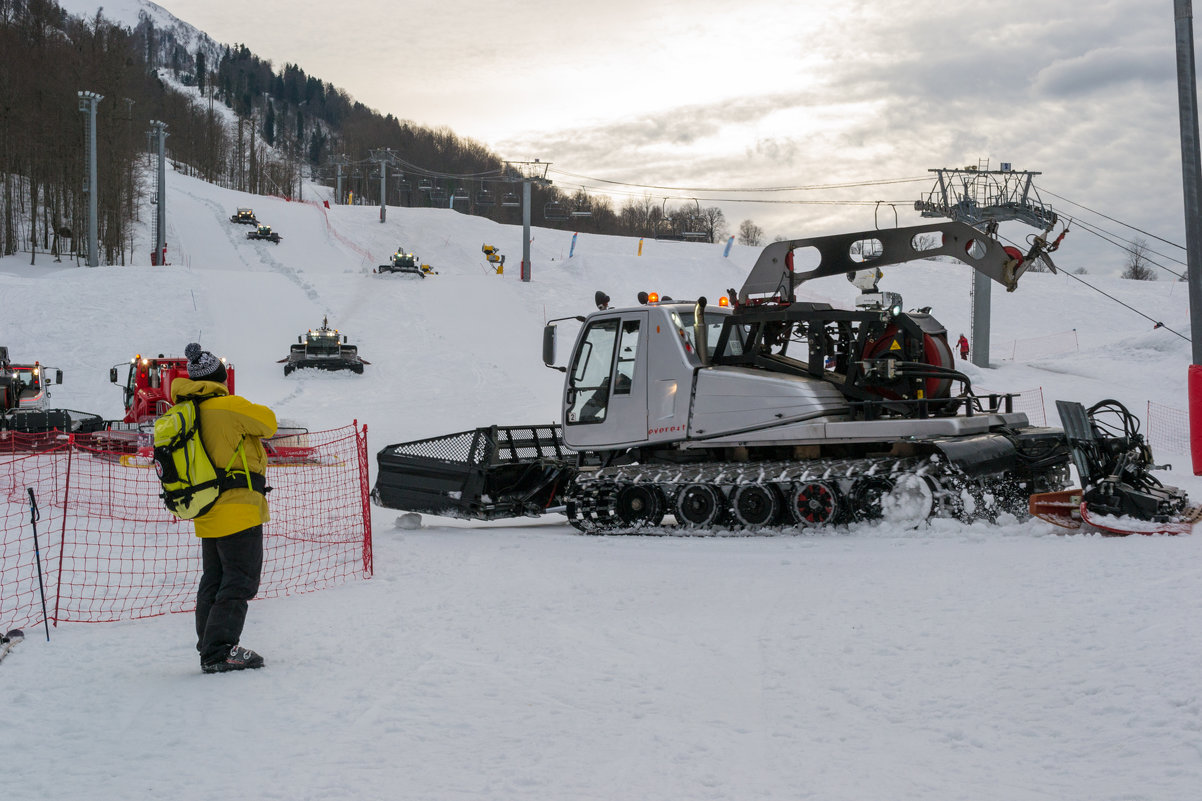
x=510, y=199
x=485, y=198
x=554, y=212
x=425, y=184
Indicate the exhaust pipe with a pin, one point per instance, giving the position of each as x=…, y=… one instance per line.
x=700, y=332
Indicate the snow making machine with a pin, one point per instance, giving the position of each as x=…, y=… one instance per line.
x=764, y=411
x=323, y=348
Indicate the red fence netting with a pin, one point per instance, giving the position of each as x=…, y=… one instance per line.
x=1029, y=401
x=1168, y=429
x=109, y=550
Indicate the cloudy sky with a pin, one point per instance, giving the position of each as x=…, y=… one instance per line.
x=701, y=99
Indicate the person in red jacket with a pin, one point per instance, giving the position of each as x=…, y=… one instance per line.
x=231, y=533
x=962, y=344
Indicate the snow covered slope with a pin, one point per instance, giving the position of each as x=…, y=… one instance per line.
x=525, y=661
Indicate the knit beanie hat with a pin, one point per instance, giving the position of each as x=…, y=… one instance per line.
x=203, y=365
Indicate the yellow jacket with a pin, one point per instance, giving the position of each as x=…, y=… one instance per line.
x=225, y=422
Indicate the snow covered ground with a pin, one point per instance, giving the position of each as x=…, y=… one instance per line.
x=526, y=661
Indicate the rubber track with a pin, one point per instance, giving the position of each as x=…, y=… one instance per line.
x=591, y=499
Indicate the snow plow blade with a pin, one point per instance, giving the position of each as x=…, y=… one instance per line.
x=1126, y=526
x=482, y=474
x=1058, y=508
x=1120, y=496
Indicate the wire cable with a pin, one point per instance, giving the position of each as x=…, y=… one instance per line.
x=1156, y=323
x=1112, y=219
x=1129, y=247
x=762, y=189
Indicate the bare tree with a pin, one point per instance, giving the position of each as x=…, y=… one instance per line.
x=713, y=223
x=750, y=233
x=1139, y=267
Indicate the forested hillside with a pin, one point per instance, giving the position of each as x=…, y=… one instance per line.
x=236, y=121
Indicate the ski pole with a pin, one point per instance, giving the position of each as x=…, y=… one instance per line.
x=34, y=516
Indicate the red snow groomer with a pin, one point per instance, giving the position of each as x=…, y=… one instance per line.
x=148, y=384
x=147, y=394
x=26, y=422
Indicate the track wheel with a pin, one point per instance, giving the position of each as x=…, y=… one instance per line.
x=638, y=506
x=866, y=496
x=589, y=512
x=756, y=505
x=700, y=506
x=910, y=503
x=814, y=503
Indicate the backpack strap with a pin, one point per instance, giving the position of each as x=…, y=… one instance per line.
x=255, y=482
x=227, y=478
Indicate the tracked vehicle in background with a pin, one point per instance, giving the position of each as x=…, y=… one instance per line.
x=406, y=264
x=323, y=348
x=244, y=217
x=26, y=421
x=761, y=412
x=264, y=232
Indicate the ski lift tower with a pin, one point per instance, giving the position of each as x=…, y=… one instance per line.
x=158, y=133
x=383, y=157
x=984, y=198
x=529, y=172
x=339, y=161
x=87, y=104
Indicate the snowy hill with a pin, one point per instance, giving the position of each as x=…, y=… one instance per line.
x=524, y=661
x=131, y=13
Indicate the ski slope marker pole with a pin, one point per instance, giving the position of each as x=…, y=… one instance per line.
x=34, y=516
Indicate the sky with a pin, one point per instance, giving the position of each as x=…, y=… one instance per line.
x=672, y=98
x=522, y=660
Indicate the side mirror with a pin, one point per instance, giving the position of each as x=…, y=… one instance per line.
x=549, y=345
x=112, y=375
x=58, y=376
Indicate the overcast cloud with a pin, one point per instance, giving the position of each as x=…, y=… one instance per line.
x=771, y=93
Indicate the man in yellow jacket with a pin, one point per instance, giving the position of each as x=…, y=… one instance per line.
x=231, y=533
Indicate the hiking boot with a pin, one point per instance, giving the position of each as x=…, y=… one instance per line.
x=239, y=658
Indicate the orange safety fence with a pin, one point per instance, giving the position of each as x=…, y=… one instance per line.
x=109, y=550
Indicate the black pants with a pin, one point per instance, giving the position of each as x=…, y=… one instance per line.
x=232, y=566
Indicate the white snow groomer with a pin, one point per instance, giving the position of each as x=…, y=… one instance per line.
x=759, y=412
x=323, y=348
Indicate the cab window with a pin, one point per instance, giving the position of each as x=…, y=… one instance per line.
x=628, y=351
x=588, y=383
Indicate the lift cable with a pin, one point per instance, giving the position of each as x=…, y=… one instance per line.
x=1127, y=247
x=1120, y=222
x=762, y=189
x=1156, y=323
